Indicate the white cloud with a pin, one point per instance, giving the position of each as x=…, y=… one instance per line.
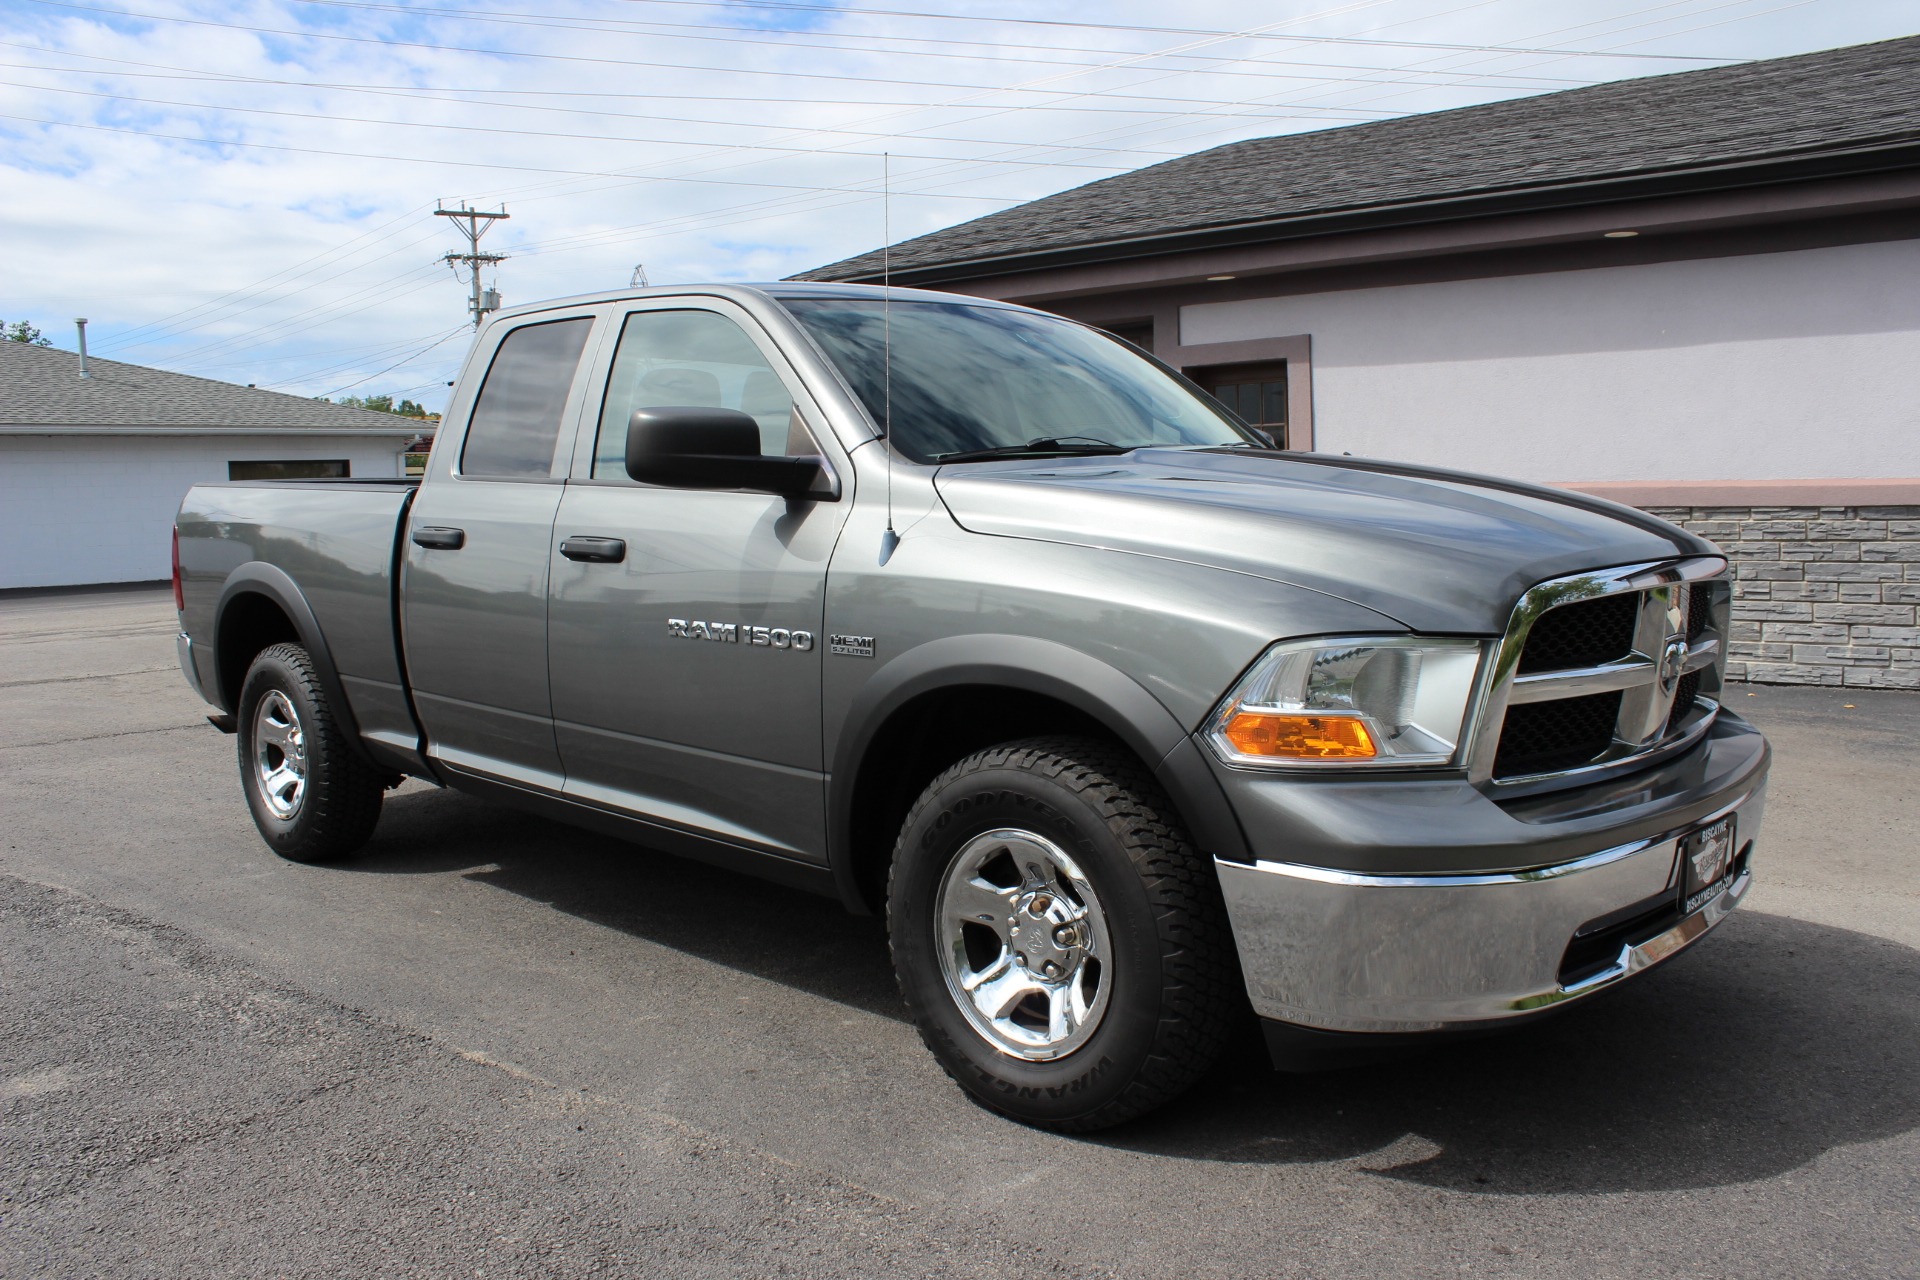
x=302, y=246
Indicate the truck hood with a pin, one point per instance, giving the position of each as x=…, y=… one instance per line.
x=1438, y=551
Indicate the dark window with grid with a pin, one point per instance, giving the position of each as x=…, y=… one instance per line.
x=1258, y=393
x=290, y=469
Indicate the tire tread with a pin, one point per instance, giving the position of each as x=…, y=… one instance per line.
x=344, y=792
x=1203, y=1002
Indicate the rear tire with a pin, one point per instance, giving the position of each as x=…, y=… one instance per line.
x=1061, y=945
x=312, y=796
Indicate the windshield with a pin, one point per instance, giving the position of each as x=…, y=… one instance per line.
x=970, y=380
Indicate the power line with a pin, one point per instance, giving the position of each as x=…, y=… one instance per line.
x=468, y=164
x=547, y=133
x=837, y=77
x=310, y=317
x=228, y=306
x=851, y=11
x=390, y=368
x=221, y=77
x=737, y=37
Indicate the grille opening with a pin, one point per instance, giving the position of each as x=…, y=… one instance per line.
x=1584, y=634
x=1684, y=695
x=1546, y=737
x=1699, y=610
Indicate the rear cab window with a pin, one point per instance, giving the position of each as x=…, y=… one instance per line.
x=516, y=419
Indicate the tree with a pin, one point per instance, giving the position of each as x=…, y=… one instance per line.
x=21, y=331
x=384, y=404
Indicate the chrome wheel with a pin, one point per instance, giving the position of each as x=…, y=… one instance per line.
x=1023, y=944
x=279, y=755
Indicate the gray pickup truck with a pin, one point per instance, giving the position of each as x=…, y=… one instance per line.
x=985, y=620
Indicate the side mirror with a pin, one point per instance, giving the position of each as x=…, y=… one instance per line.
x=696, y=448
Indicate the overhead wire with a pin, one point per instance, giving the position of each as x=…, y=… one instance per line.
x=390, y=368
x=839, y=10
x=842, y=194
x=737, y=36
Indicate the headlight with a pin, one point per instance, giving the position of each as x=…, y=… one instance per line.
x=1382, y=700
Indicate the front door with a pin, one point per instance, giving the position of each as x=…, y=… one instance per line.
x=685, y=625
x=475, y=587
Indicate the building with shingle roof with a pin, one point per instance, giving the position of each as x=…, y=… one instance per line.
x=92, y=468
x=1698, y=293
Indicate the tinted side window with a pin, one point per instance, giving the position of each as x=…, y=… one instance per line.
x=517, y=417
x=688, y=359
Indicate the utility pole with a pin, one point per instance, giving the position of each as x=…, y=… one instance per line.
x=472, y=223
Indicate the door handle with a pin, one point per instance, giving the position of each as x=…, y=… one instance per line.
x=603, y=550
x=439, y=538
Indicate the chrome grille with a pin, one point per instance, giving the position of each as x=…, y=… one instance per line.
x=1602, y=671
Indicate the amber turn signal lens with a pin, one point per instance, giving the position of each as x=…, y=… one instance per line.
x=1299, y=737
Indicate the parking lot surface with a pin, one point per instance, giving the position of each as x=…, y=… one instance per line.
x=494, y=1046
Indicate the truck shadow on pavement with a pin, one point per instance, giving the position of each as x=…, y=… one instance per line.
x=1771, y=1044
x=1774, y=1042
x=800, y=940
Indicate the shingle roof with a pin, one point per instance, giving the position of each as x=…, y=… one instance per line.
x=1864, y=98
x=41, y=387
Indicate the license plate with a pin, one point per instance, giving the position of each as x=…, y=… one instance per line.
x=1706, y=856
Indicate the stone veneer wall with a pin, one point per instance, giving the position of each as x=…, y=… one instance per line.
x=1822, y=595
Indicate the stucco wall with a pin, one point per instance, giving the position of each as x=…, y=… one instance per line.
x=86, y=509
x=1765, y=366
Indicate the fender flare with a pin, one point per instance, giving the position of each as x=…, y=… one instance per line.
x=259, y=578
x=1045, y=667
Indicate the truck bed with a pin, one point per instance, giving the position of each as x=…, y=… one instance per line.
x=337, y=539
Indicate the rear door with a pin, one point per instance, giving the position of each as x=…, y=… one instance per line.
x=475, y=586
x=686, y=662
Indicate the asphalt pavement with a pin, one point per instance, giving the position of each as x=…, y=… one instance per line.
x=495, y=1046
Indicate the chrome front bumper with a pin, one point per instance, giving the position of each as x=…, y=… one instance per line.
x=1350, y=951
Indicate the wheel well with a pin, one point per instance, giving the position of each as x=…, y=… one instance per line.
x=250, y=623
x=925, y=736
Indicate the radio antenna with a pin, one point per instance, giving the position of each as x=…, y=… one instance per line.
x=890, y=539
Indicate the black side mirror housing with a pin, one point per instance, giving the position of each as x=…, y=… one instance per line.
x=687, y=447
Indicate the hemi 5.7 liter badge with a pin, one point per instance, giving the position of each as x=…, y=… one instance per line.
x=850, y=646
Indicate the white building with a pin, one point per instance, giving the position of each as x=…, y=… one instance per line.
x=92, y=469
x=1695, y=293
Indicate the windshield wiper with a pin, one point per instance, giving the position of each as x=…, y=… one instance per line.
x=1053, y=445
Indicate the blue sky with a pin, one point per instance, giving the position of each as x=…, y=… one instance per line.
x=245, y=190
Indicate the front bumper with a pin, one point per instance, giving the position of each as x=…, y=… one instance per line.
x=1406, y=951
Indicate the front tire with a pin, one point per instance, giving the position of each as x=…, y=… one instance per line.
x=313, y=798
x=1061, y=945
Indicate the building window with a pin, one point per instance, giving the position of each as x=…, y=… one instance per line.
x=1257, y=392
x=290, y=469
x=1138, y=332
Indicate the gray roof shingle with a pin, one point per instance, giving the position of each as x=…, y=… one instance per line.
x=1863, y=96
x=41, y=387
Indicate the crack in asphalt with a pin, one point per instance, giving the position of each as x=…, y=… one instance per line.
x=105, y=675
x=97, y=737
